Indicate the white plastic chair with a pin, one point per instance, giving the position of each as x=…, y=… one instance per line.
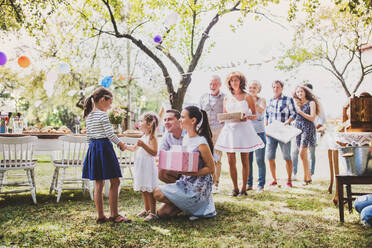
x=69, y=164
x=126, y=161
x=16, y=153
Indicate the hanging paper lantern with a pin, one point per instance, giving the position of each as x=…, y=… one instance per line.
x=38, y=103
x=64, y=68
x=52, y=76
x=107, y=81
x=24, y=62
x=171, y=19
x=49, y=88
x=157, y=38
x=3, y=58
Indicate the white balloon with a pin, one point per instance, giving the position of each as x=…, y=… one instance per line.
x=171, y=19
x=64, y=68
x=71, y=92
x=38, y=103
x=49, y=93
x=49, y=88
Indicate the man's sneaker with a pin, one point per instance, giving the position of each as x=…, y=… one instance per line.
x=260, y=189
x=193, y=218
x=215, y=189
x=294, y=178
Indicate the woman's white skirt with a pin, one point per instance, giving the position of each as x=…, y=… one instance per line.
x=238, y=137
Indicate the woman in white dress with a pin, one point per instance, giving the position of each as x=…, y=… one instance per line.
x=240, y=135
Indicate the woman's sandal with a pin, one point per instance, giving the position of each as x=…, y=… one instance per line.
x=151, y=217
x=243, y=193
x=118, y=219
x=235, y=193
x=143, y=213
x=307, y=182
x=102, y=220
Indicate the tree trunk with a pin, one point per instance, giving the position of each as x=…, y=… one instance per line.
x=176, y=99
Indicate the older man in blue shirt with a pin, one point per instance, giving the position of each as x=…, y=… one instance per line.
x=280, y=108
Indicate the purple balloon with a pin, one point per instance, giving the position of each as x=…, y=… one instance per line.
x=157, y=38
x=2, y=58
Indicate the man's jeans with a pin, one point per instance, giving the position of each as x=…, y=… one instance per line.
x=363, y=205
x=260, y=160
x=295, y=152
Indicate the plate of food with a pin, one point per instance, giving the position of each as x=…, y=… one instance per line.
x=31, y=129
x=133, y=133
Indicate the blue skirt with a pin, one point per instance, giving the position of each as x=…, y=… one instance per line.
x=101, y=162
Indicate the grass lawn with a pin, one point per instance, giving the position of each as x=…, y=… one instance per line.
x=303, y=216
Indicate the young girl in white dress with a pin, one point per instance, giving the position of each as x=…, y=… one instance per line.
x=145, y=170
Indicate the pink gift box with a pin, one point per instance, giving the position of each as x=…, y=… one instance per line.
x=179, y=161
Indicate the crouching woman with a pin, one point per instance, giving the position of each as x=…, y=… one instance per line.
x=192, y=193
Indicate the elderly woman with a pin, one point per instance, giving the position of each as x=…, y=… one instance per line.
x=259, y=125
x=192, y=193
x=239, y=135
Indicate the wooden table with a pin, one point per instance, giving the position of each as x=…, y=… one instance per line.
x=348, y=181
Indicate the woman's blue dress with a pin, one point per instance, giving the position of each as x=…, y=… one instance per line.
x=192, y=194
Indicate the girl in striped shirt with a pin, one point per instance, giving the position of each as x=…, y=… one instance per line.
x=101, y=162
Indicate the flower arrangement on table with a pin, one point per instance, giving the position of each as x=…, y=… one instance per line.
x=116, y=117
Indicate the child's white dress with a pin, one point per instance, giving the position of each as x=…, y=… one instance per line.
x=145, y=170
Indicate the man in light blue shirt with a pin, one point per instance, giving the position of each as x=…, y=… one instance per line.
x=173, y=136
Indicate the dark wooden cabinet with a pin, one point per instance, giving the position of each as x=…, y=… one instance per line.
x=361, y=113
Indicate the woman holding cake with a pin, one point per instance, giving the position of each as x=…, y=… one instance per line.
x=239, y=135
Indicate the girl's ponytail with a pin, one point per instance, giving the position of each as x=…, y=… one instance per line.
x=152, y=120
x=95, y=97
x=154, y=124
x=202, y=124
x=88, y=106
x=205, y=129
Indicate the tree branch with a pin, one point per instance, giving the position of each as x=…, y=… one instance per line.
x=140, y=45
x=362, y=75
x=139, y=25
x=171, y=58
x=367, y=71
x=96, y=48
x=193, y=32
x=14, y=7
x=205, y=36
x=348, y=62
x=336, y=48
x=270, y=20
x=113, y=21
x=338, y=75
